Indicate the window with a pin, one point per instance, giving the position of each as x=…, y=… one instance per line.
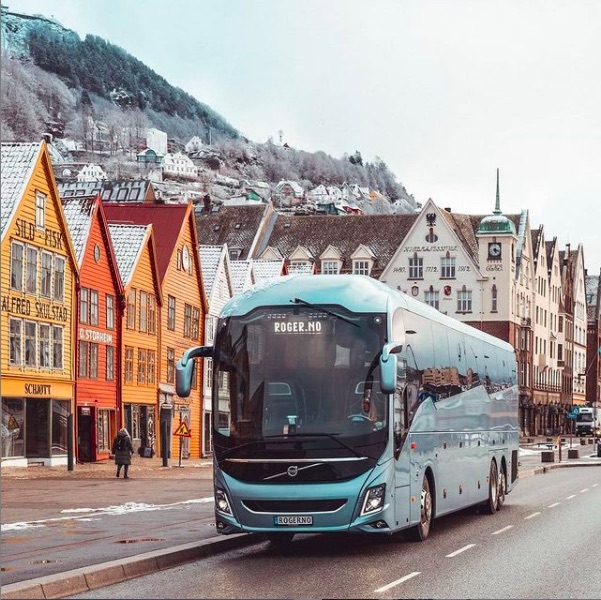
x=170, y=365
x=82, y=368
x=59, y=278
x=209, y=369
x=432, y=298
x=110, y=311
x=464, y=300
x=187, y=320
x=129, y=364
x=57, y=347
x=110, y=363
x=416, y=267
x=15, y=342
x=40, y=210
x=93, y=360
x=494, y=304
x=131, y=309
x=143, y=323
x=152, y=314
x=195, y=323
x=330, y=267
x=361, y=267
x=16, y=266
x=93, y=307
x=151, y=366
x=31, y=277
x=447, y=267
x=30, y=344
x=103, y=438
x=171, y=313
x=84, y=306
x=46, y=279
x=44, y=346
x=141, y=366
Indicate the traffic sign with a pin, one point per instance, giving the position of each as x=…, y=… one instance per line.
x=183, y=430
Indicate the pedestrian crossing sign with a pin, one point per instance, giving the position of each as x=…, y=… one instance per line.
x=183, y=430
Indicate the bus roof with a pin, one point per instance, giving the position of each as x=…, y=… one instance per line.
x=357, y=293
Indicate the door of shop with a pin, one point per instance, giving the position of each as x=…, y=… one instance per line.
x=84, y=434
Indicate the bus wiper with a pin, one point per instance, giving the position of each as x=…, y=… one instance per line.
x=325, y=310
x=332, y=436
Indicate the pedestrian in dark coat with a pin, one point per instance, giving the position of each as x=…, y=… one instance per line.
x=123, y=449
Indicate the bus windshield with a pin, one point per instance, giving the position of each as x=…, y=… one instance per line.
x=299, y=380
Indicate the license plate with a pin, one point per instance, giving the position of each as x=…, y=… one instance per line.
x=293, y=520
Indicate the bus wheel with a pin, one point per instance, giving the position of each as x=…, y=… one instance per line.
x=502, y=488
x=421, y=531
x=280, y=539
x=490, y=505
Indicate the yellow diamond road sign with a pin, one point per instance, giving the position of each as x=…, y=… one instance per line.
x=183, y=430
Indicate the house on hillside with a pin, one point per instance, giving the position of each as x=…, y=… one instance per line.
x=156, y=140
x=91, y=172
x=288, y=194
x=179, y=165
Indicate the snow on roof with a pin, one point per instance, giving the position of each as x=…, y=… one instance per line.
x=210, y=255
x=78, y=213
x=127, y=242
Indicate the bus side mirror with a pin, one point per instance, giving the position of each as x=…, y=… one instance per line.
x=388, y=366
x=184, y=368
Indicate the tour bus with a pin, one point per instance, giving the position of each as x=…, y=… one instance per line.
x=342, y=405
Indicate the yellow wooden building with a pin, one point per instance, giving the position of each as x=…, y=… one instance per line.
x=136, y=253
x=38, y=278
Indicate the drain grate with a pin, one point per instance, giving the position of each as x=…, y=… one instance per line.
x=140, y=540
x=43, y=561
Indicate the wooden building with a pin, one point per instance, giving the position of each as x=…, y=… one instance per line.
x=183, y=317
x=136, y=256
x=38, y=311
x=98, y=334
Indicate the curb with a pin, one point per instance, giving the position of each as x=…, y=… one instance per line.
x=542, y=470
x=97, y=576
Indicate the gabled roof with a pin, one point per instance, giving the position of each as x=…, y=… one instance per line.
x=267, y=269
x=382, y=234
x=238, y=226
x=128, y=242
x=17, y=164
x=167, y=222
x=79, y=212
x=241, y=271
x=210, y=257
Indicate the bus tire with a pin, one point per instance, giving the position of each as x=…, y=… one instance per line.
x=490, y=505
x=280, y=539
x=421, y=531
x=502, y=490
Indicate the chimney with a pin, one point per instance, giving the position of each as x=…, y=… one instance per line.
x=47, y=137
x=448, y=209
x=207, y=203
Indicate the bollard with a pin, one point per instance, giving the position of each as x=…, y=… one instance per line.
x=547, y=456
x=573, y=453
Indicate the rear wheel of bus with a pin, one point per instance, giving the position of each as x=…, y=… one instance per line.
x=502, y=490
x=491, y=505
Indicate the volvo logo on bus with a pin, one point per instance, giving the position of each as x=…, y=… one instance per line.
x=292, y=471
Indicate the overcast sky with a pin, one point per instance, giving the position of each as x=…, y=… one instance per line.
x=444, y=92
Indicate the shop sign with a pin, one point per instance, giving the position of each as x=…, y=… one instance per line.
x=91, y=335
x=37, y=389
x=28, y=231
x=18, y=305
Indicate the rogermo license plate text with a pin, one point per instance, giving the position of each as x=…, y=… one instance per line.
x=293, y=520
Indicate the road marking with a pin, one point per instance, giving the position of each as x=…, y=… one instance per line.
x=594, y=485
x=570, y=497
x=554, y=505
x=460, y=550
x=501, y=530
x=584, y=490
x=532, y=515
x=398, y=581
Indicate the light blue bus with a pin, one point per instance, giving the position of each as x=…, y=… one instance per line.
x=341, y=405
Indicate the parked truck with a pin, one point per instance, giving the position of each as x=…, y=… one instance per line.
x=588, y=421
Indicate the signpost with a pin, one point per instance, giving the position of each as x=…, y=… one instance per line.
x=182, y=431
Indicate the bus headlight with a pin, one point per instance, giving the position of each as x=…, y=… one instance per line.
x=374, y=499
x=222, y=503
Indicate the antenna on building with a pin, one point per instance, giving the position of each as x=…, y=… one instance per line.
x=281, y=134
x=498, y=202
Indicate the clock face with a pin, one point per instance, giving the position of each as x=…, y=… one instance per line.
x=494, y=250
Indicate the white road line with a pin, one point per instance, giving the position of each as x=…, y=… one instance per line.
x=398, y=581
x=501, y=530
x=594, y=485
x=554, y=505
x=460, y=550
x=532, y=515
x=570, y=497
x=584, y=490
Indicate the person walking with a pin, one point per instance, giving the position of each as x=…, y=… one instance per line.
x=123, y=449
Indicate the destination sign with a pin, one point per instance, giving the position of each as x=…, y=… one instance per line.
x=301, y=325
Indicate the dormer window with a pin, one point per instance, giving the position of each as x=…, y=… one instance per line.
x=361, y=267
x=235, y=253
x=330, y=267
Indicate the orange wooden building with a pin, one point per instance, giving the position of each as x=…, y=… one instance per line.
x=136, y=256
x=39, y=277
x=183, y=313
x=98, y=333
